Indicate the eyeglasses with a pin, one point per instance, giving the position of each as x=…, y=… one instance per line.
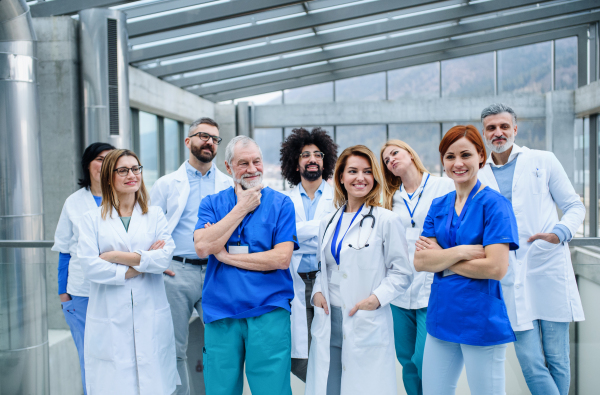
x=308, y=154
x=123, y=171
x=205, y=136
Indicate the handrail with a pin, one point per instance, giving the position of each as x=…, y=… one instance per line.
x=585, y=242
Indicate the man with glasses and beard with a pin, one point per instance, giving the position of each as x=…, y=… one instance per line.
x=179, y=195
x=539, y=288
x=307, y=160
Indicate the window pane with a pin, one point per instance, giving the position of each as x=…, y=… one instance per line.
x=263, y=99
x=525, y=69
x=319, y=93
x=328, y=129
x=532, y=134
x=369, y=87
x=269, y=140
x=415, y=81
x=423, y=138
x=565, y=66
x=149, y=147
x=373, y=136
x=468, y=76
x=171, y=145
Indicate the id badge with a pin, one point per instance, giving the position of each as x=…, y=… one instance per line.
x=336, y=277
x=235, y=249
x=447, y=273
x=412, y=234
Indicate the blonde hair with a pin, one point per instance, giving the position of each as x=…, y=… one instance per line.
x=340, y=196
x=391, y=182
x=109, y=195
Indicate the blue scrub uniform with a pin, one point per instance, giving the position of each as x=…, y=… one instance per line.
x=247, y=313
x=465, y=310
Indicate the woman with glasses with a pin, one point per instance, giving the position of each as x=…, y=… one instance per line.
x=73, y=288
x=364, y=266
x=408, y=191
x=124, y=247
x=469, y=234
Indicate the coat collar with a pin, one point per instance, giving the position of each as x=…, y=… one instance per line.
x=520, y=167
x=90, y=202
x=336, y=218
x=404, y=195
x=134, y=225
x=325, y=200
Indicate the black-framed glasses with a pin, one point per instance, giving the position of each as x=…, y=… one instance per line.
x=205, y=136
x=123, y=171
x=308, y=154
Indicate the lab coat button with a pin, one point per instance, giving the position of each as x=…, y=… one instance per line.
x=344, y=306
x=345, y=275
x=137, y=331
x=517, y=286
x=344, y=368
x=344, y=337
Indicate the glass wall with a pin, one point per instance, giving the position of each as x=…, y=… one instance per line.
x=172, y=145
x=269, y=140
x=468, y=76
x=526, y=69
x=148, y=150
x=424, y=138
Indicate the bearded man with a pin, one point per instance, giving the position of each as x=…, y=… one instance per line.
x=179, y=195
x=248, y=234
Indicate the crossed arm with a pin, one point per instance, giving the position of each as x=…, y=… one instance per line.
x=130, y=259
x=472, y=261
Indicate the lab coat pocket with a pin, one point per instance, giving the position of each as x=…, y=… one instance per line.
x=98, y=338
x=317, y=329
x=539, y=182
x=545, y=259
x=371, y=328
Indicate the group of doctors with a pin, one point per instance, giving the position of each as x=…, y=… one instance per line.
x=389, y=263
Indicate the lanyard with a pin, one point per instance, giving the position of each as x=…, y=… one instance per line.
x=242, y=224
x=334, y=252
x=451, y=232
x=417, y=205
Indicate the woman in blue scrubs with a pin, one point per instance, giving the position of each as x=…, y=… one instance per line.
x=466, y=241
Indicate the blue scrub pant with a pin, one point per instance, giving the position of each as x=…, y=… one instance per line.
x=443, y=363
x=75, y=311
x=263, y=342
x=410, y=333
x=543, y=354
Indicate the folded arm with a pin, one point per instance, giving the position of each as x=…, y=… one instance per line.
x=277, y=258
x=494, y=266
x=436, y=260
x=210, y=240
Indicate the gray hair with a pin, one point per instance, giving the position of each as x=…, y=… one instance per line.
x=204, y=120
x=498, y=108
x=244, y=141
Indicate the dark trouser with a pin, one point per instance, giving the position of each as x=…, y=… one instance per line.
x=299, y=365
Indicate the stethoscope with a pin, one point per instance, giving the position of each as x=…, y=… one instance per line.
x=369, y=215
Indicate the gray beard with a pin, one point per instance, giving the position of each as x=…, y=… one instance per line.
x=501, y=148
x=247, y=185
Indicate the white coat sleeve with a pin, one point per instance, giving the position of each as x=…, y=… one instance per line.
x=157, y=261
x=307, y=232
x=157, y=197
x=95, y=269
x=395, y=252
x=565, y=197
x=63, y=233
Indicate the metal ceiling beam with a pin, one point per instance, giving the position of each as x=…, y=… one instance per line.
x=161, y=6
x=197, y=16
x=400, y=53
x=69, y=7
x=581, y=32
x=487, y=24
x=390, y=26
x=277, y=27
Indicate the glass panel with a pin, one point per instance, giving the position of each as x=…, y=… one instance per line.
x=171, y=145
x=581, y=147
x=468, y=76
x=319, y=93
x=263, y=99
x=149, y=147
x=373, y=136
x=328, y=129
x=565, y=63
x=423, y=138
x=369, y=87
x=416, y=81
x=269, y=141
x=525, y=69
x=586, y=174
x=532, y=134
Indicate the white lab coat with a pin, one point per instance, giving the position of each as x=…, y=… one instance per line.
x=540, y=282
x=383, y=269
x=417, y=296
x=171, y=193
x=65, y=238
x=129, y=330
x=307, y=232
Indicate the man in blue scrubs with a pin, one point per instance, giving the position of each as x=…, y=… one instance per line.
x=248, y=234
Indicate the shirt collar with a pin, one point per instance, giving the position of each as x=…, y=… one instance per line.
x=320, y=190
x=516, y=150
x=191, y=171
x=403, y=192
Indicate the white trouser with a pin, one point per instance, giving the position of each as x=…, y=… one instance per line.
x=443, y=363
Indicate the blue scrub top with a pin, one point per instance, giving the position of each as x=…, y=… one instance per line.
x=230, y=292
x=464, y=310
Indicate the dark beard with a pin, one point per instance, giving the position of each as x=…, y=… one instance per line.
x=311, y=175
x=201, y=156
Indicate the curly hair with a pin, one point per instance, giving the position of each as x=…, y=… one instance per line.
x=291, y=149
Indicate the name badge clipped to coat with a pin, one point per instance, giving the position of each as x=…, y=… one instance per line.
x=447, y=273
x=238, y=249
x=336, y=277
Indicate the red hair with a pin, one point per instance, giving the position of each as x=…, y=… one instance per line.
x=469, y=132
